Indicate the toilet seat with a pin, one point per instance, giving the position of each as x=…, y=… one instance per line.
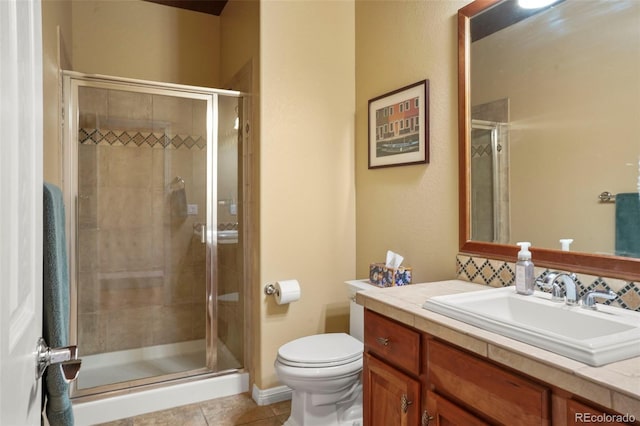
x=321, y=350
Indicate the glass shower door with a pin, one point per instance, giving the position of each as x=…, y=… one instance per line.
x=146, y=191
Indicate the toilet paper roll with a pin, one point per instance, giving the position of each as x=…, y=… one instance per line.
x=287, y=291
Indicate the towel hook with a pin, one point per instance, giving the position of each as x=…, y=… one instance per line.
x=607, y=197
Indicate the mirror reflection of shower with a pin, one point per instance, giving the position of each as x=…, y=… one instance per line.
x=158, y=267
x=489, y=181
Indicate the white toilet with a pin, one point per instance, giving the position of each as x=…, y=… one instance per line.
x=324, y=371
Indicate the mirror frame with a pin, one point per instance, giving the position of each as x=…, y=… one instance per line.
x=593, y=264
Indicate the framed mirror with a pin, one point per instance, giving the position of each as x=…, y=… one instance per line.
x=549, y=118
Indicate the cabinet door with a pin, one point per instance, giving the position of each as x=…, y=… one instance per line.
x=504, y=397
x=581, y=414
x=442, y=412
x=390, y=396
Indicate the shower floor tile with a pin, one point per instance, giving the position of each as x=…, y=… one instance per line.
x=228, y=411
x=129, y=371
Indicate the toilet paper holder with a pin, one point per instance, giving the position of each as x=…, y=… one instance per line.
x=270, y=289
x=284, y=291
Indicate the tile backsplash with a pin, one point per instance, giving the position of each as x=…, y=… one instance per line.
x=499, y=273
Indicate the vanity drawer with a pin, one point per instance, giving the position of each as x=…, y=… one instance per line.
x=393, y=342
x=485, y=388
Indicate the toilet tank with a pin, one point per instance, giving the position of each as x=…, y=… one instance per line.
x=356, y=312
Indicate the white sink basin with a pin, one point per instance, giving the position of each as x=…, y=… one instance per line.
x=594, y=337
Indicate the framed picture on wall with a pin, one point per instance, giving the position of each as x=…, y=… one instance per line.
x=399, y=127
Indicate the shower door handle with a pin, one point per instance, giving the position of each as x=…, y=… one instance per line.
x=200, y=229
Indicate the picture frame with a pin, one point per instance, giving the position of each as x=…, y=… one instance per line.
x=399, y=127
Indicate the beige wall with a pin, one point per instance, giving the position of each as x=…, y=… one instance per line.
x=573, y=121
x=144, y=40
x=306, y=169
x=412, y=210
x=239, y=38
x=56, y=34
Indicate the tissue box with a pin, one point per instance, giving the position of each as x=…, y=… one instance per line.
x=382, y=276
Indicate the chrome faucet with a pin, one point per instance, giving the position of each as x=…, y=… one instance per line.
x=588, y=301
x=570, y=296
x=556, y=291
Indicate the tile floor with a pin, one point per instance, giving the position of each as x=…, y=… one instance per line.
x=228, y=411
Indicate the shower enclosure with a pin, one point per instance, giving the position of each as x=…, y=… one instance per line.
x=489, y=182
x=153, y=186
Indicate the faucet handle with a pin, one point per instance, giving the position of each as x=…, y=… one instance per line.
x=589, y=302
x=549, y=283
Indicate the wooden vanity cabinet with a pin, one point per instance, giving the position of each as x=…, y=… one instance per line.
x=391, y=372
x=413, y=379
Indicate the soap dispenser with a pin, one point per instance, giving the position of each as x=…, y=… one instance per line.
x=525, y=282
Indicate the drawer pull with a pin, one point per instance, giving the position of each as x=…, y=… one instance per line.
x=383, y=341
x=426, y=418
x=405, y=403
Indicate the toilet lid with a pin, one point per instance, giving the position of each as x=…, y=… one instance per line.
x=321, y=350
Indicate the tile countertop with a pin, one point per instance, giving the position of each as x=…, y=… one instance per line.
x=615, y=386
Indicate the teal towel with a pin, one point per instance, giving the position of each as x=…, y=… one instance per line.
x=628, y=224
x=55, y=303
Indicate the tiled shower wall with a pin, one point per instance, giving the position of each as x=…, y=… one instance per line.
x=141, y=267
x=498, y=273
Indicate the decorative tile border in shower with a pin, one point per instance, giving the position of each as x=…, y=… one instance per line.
x=479, y=150
x=498, y=273
x=123, y=138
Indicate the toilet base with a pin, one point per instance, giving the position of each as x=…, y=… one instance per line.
x=307, y=411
